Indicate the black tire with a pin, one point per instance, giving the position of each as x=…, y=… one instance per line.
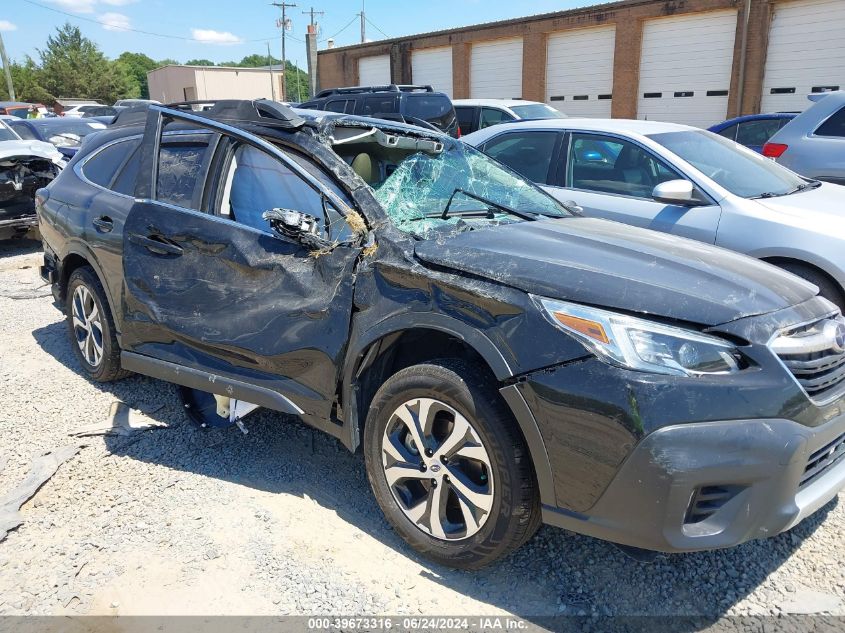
x=515, y=513
x=827, y=287
x=108, y=368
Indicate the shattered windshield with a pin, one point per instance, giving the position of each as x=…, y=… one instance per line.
x=460, y=188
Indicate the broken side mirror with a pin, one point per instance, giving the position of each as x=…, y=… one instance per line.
x=292, y=224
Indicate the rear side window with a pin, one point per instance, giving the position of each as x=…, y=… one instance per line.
x=466, y=119
x=125, y=181
x=436, y=109
x=340, y=105
x=834, y=126
x=493, y=116
x=102, y=166
x=527, y=153
x=385, y=104
x=729, y=132
x=181, y=171
x=757, y=132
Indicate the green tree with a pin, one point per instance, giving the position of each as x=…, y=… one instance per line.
x=27, y=81
x=199, y=62
x=138, y=65
x=73, y=66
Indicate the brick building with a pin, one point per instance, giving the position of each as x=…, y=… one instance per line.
x=691, y=61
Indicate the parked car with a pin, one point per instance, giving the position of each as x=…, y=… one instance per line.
x=685, y=181
x=419, y=105
x=753, y=130
x=500, y=361
x=477, y=114
x=65, y=134
x=78, y=110
x=813, y=143
x=103, y=111
x=25, y=166
x=20, y=109
x=125, y=103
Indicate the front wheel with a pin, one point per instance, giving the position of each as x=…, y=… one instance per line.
x=448, y=465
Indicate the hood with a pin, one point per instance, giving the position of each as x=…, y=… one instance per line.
x=821, y=206
x=29, y=149
x=613, y=265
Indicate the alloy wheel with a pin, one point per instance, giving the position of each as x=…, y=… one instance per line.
x=438, y=469
x=87, y=326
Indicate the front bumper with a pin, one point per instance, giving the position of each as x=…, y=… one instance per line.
x=744, y=477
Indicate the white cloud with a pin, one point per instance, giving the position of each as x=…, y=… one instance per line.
x=5, y=25
x=114, y=22
x=119, y=3
x=75, y=6
x=209, y=36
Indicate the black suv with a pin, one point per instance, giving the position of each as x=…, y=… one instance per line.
x=500, y=360
x=418, y=105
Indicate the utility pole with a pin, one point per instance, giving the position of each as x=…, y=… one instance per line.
x=363, y=23
x=283, y=25
x=312, y=12
x=7, y=70
x=272, y=83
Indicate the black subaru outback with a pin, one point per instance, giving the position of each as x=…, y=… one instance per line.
x=501, y=361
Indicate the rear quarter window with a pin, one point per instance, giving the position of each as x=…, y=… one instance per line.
x=834, y=126
x=104, y=164
x=436, y=109
x=385, y=104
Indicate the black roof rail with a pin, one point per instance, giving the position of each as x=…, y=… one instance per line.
x=259, y=111
x=364, y=89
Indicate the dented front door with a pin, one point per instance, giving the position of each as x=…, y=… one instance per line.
x=208, y=293
x=209, y=285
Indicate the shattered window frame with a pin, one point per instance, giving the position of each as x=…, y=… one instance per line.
x=458, y=166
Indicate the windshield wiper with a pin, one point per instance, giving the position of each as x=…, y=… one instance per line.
x=525, y=215
x=802, y=187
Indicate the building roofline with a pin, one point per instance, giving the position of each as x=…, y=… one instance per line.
x=263, y=69
x=603, y=6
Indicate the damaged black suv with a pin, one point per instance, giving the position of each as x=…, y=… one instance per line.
x=501, y=361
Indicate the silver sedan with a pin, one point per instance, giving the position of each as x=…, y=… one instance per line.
x=686, y=181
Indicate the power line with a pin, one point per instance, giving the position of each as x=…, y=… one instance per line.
x=142, y=32
x=370, y=22
x=348, y=24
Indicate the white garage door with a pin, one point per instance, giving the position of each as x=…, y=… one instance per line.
x=579, y=71
x=806, y=53
x=495, y=70
x=685, y=68
x=433, y=67
x=374, y=71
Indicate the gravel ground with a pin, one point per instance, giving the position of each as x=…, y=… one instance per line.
x=281, y=521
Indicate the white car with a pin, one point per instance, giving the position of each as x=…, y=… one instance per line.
x=80, y=109
x=686, y=181
x=25, y=165
x=477, y=114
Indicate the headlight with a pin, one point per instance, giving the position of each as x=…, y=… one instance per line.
x=643, y=345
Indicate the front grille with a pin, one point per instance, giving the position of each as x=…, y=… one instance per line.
x=707, y=500
x=813, y=356
x=823, y=460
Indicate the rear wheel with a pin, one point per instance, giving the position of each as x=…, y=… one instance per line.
x=91, y=328
x=448, y=465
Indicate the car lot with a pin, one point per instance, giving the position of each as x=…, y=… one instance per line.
x=281, y=521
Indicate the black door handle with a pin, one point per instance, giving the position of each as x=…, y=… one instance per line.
x=156, y=244
x=104, y=223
